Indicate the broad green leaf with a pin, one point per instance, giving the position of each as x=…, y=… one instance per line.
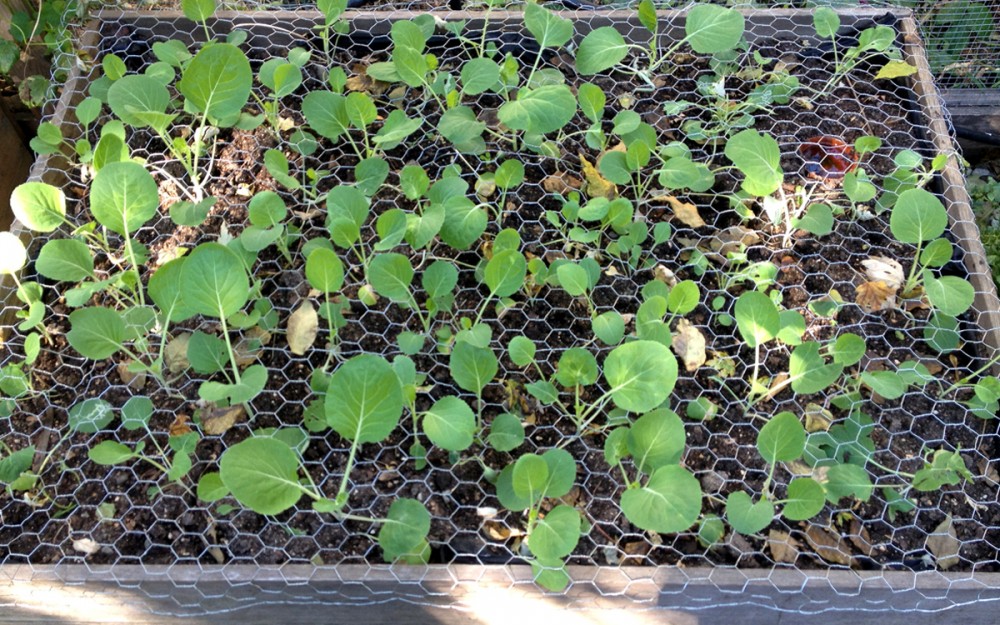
x=505, y=273
x=210, y=487
x=391, y=275
x=411, y=65
x=96, y=332
x=805, y=499
x=609, y=327
x=818, y=220
x=600, y=50
x=656, y=439
x=641, y=375
x=450, y=424
x=545, y=392
x=251, y=384
x=782, y=439
x=364, y=400
x=505, y=490
x=758, y=157
x=506, y=432
x=509, y=174
x=207, y=354
x=324, y=270
x=539, y=111
x=137, y=100
x=809, y=370
x=13, y=254
x=917, y=216
x=756, y=318
x=849, y=349
x=896, y=69
x=888, y=384
x=550, y=575
x=573, y=278
x=826, y=21
x=521, y=351
x=136, y=413
x=556, y=534
x=562, y=472
x=214, y=281
x=109, y=453
x=530, y=476
x=15, y=464
x=396, y=128
x=360, y=109
x=191, y=214
x=67, y=260
x=577, y=367
x=460, y=126
x=683, y=297
x=90, y=416
x=711, y=29
x=326, y=113
x=165, y=289
x=403, y=535
x=548, y=29
x=463, y=224
x=937, y=253
x=370, y=173
x=439, y=279
x=949, y=294
x=848, y=480
x=124, y=196
x=217, y=82
x=472, y=367
x=262, y=474
x=198, y=10
x=941, y=332
x=670, y=501
x=592, y=101
x=746, y=516
x=479, y=75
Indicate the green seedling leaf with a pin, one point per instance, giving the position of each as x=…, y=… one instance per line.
x=506, y=432
x=210, y=487
x=945, y=469
x=364, y=400
x=136, y=413
x=369, y=175
x=509, y=174
x=361, y=111
x=941, y=333
x=544, y=392
x=539, y=111
x=110, y=453
x=641, y=375
x=251, y=384
x=391, y=228
x=888, y=384
x=460, y=126
x=12, y=466
x=818, y=220
x=414, y=182
x=577, y=367
x=937, y=253
x=90, y=416
x=217, y=82
x=573, y=278
x=556, y=534
x=809, y=370
x=410, y=343
x=793, y=326
x=440, y=279
x=66, y=260
x=848, y=350
x=609, y=327
x=600, y=50
x=656, y=440
x=827, y=22
x=529, y=477
x=403, y=535
x=124, y=196
x=949, y=294
x=165, y=289
x=782, y=439
x=140, y=101
x=96, y=332
x=711, y=29
x=805, y=499
x=895, y=69
x=521, y=351
x=592, y=101
x=391, y=275
x=472, y=367
x=758, y=157
x=191, y=214
x=917, y=216
x=505, y=273
x=746, y=516
x=450, y=424
x=262, y=474
x=326, y=113
x=683, y=297
x=670, y=502
x=198, y=10
x=847, y=480
x=214, y=281
x=324, y=271
x=562, y=473
x=548, y=29
x=463, y=223
x=757, y=318
x=479, y=75
x=396, y=128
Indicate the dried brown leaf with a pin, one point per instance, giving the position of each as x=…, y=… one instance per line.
x=175, y=353
x=249, y=348
x=818, y=418
x=828, y=545
x=664, y=275
x=782, y=546
x=689, y=344
x=875, y=296
x=180, y=426
x=303, y=326
x=133, y=380
x=860, y=538
x=361, y=81
x=687, y=213
x=596, y=184
x=561, y=183
x=888, y=270
x=216, y=420
x=944, y=544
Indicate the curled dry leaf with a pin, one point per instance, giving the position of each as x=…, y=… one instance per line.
x=134, y=381
x=303, y=326
x=782, y=546
x=944, y=544
x=561, y=183
x=180, y=426
x=86, y=546
x=216, y=420
x=361, y=81
x=175, y=354
x=888, y=270
x=875, y=296
x=596, y=184
x=818, y=418
x=689, y=344
x=664, y=275
x=828, y=545
x=686, y=212
x=249, y=348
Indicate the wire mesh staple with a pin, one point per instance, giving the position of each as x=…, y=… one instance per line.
x=127, y=524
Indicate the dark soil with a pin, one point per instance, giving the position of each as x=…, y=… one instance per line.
x=144, y=519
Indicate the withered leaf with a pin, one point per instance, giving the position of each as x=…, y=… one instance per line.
x=303, y=326
x=132, y=380
x=860, y=538
x=86, y=546
x=875, y=296
x=249, y=348
x=175, y=353
x=686, y=212
x=828, y=545
x=596, y=184
x=361, y=81
x=887, y=270
x=689, y=344
x=561, y=183
x=180, y=426
x=782, y=546
x=216, y=420
x=818, y=418
x=665, y=275
x=944, y=544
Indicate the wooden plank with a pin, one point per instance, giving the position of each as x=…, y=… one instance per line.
x=15, y=162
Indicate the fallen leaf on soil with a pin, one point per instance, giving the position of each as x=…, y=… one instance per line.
x=860, y=538
x=303, y=326
x=86, y=546
x=135, y=381
x=361, y=81
x=783, y=547
x=561, y=182
x=216, y=421
x=249, y=348
x=875, y=296
x=664, y=275
x=596, y=184
x=944, y=544
x=828, y=545
x=175, y=353
x=687, y=213
x=885, y=269
x=180, y=426
x=689, y=344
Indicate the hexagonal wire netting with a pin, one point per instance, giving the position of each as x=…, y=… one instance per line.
x=129, y=524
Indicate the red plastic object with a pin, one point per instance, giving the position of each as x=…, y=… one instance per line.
x=828, y=156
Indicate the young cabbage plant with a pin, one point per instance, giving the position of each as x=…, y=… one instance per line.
x=281, y=77
x=523, y=486
x=267, y=212
x=325, y=273
x=872, y=43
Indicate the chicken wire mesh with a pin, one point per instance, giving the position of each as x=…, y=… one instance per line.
x=130, y=525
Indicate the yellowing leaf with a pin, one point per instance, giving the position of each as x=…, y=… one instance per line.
x=875, y=296
x=687, y=213
x=597, y=185
x=216, y=421
x=896, y=69
x=303, y=326
x=689, y=343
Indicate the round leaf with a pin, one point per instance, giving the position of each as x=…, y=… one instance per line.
x=601, y=49
x=556, y=534
x=404, y=532
x=69, y=260
x=110, y=452
x=917, y=216
x=748, y=517
x=364, y=400
x=504, y=274
x=521, y=351
x=472, y=367
x=137, y=100
x=609, y=327
x=96, y=332
x=529, y=477
x=711, y=29
x=262, y=474
x=805, y=499
x=218, y=81
x=39, y=206
x=90, y=416
x=214, y=281
x=641, y=375
x=506, y=432
x=13, y=256
x=670, y=502
x=450, y=424
x=324, y=270
x=949, y=294
x=782, y=439
x=577, y=367
x=656, y=439
x=124, y=196
x=541, y=110
x=756, y=318
x=391, y=275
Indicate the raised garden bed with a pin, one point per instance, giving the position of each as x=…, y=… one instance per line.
x=477, y=282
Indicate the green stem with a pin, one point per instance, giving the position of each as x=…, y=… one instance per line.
x=342, y=491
